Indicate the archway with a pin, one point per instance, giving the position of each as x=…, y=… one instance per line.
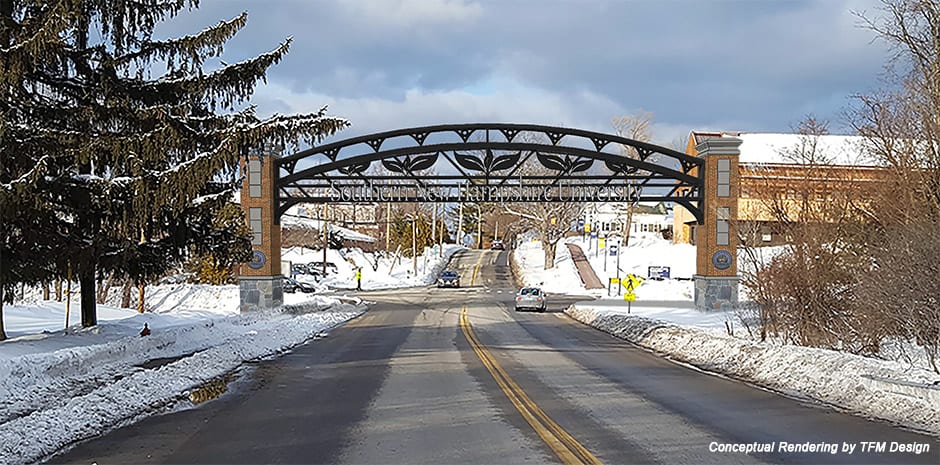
x=485, y=162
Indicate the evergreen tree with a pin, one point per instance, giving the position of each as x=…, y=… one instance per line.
x=109, y=135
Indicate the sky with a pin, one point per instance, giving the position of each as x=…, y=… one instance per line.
x=753, y=66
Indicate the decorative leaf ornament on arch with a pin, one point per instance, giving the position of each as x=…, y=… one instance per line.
x=489, y=162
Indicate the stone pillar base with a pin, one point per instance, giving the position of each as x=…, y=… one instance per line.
x=716, y=293
x=260, y=293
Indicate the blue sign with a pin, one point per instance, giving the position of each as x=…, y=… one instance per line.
x=257, y=260
x=613, y=249
x=722, y=259
x=658, y=272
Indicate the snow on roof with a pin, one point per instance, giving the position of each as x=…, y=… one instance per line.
x=769, y=148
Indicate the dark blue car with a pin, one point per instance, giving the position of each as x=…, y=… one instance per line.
x=448, y=278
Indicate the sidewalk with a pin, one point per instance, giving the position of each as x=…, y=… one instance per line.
x=588, y=276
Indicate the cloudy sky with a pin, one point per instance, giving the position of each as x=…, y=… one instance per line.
x=748, y=65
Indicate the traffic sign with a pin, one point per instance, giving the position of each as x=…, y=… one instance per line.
x=629, y=297
x=632, y=282
x=602, y=243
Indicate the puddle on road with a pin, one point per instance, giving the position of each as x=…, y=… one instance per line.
x=212, y=389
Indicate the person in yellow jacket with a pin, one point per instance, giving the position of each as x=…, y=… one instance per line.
x=358, y=279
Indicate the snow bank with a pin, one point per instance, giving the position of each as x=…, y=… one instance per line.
x=378, y=272
x=881, y=389
x=80, y=383
x=562, y=279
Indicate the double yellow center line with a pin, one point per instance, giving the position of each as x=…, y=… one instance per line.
x=569, y=450
x=476, y=268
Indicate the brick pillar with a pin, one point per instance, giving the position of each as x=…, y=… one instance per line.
x=716, y=278
x=260, y=280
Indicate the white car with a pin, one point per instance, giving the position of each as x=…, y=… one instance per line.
x=530, y=298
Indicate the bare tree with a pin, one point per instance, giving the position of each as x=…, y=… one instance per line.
x=808, y=292
x=550, y=220
x=901, y=127
x=635, y=127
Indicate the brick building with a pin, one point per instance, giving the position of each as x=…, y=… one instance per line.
x=775, y=171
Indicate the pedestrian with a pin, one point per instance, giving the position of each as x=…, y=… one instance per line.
x=145, y=331
x=359, y=279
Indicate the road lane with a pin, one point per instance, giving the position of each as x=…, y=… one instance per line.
x=404, y=384
x=671, y=411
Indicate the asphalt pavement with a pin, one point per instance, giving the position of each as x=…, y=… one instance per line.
x=447, y=376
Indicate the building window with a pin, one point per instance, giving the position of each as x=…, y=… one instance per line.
x=254, y=222
x=722, y=226
x=724, y=178
x=254, y=178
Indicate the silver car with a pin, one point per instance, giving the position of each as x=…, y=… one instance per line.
x=530, y=298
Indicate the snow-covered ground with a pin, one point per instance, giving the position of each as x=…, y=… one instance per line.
x=378, y=272
x=71, y=384
x=528, y=256
x=645, y=250
x=663, y=320
x=891, y=391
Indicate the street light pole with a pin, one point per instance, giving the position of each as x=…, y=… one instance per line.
x=460, y=226
x=414, y=244
x=326, y=237
x=440, y=242
x=479, y=228
x=388, y=222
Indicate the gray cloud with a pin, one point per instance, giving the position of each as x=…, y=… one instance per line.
x=756, y=66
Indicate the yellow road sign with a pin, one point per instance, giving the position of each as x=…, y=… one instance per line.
x=629, y=297
x=601, y=243
x=632, y=281
x=615, y=280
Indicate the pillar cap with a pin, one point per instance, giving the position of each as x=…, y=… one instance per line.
x=719, y=146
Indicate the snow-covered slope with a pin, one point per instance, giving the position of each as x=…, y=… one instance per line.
x=887, y=390
x=77, y=383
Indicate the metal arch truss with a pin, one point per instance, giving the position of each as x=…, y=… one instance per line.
x=489, y=162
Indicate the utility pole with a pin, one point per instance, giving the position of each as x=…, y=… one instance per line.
x=388, y=222
x=433, y=223
x=440, y=249
x=479, y=228
x=619, y=252
x=326, y=236
x=460, y=226
x=414, y=244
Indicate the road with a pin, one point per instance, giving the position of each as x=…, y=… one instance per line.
x=441, y=376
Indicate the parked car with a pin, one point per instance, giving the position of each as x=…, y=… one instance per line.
x=291, y=286
x=497, y=245
x=448, y=278
x=530, y=298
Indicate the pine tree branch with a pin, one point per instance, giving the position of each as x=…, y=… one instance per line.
x=193, y=48
x=230, y=85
